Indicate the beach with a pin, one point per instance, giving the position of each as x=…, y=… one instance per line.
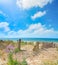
x=34, y=52
x=28, y=32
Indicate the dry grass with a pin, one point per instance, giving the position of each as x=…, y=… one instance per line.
x=47, y=56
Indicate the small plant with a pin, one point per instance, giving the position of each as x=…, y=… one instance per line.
x=51, y=63
x=17, y=50
x=24, y=62
x=57, y=48
x=16, y=62
x=11, y=61
x=23, y=43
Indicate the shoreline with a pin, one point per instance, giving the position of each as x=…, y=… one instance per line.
x=32, y=39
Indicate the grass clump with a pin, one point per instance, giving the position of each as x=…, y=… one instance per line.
x=16, y=50
x=24, y=62
x=51, y=63
x=57, y=48
x=11, y=61
x=23, y=43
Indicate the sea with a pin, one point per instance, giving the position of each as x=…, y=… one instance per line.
x=33, y=39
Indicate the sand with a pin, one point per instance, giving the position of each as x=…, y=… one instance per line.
x=46, y=54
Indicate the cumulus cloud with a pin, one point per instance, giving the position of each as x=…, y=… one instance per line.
x=38, y=15
x=34, y=30
x=26, y=4
x=4, y=25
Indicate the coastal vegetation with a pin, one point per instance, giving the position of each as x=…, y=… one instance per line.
x=12, y=61
x=28, y=53
x=51, y=62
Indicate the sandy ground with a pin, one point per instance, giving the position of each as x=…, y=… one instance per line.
x=32, y=58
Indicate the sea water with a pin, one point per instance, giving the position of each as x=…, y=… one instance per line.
x=33, y=39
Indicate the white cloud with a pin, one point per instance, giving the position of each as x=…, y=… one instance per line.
x=34, y=30
x=26, y=4
x=4, y=25
x=38, y=14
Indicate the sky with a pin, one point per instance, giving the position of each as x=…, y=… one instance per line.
x=28, y=18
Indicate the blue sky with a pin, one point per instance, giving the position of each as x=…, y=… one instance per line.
x=29, y=18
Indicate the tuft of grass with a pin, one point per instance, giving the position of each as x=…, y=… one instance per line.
x=16, y=50
x=57, y=48
x=23, y=43
x=51, y=63
x=11, y=61
x=24, y=62
x=16, y=62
